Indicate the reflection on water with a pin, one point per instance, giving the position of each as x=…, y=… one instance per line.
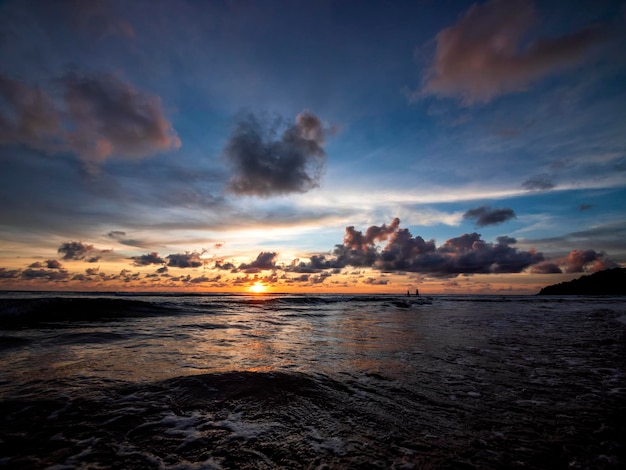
x=341, y=383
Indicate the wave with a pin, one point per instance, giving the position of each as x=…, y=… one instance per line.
x=269, y=420
x=32, y=311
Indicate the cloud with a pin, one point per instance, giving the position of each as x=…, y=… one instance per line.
x=577, y=261
x=466, y=254
x=484, y=54
x=147, y=259
x=29, y=117
x=203, y=279
x=266, y=260
x=266, y=165
x=116, y=234
x=47, y=274
x=9, y=273
x=225, y=266
x=97, y=17
x=50, y=264
x=111, y=117
x=538, y=183
x=96, y=117
x=120, y=237
x=485, y=215
x=80, y=251
x=185, y=260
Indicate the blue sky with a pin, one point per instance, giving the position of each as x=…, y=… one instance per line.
x=214, y=145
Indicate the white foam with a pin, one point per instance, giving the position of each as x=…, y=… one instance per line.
x=241, y=429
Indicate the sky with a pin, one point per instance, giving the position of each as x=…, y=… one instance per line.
x=318, y=146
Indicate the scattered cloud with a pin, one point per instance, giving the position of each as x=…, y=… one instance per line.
x=147, y=259
x=50, y=264
x=485, y=55
x=538, y=183
x=486, y=215
x=266, y=260
x=185, y=260
x=205, y=279
x=120, y=237
x=266, y=165
x=116, y=234
x=80, y=251
x=466, y=254
x=9, y=273
x=46, y=274
x=577, y=261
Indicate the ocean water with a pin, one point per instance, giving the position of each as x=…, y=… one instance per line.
x=303, y=381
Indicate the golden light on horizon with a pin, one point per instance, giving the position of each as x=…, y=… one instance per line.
x=257, y=288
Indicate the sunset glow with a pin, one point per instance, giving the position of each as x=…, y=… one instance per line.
x=257, y=288
x=146, y=146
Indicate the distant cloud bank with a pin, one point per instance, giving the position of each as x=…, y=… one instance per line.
x=386, y=248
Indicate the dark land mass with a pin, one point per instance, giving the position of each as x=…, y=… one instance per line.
x=607, y=282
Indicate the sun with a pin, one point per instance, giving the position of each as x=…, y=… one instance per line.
x=257, y=288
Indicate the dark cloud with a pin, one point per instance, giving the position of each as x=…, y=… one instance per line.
x=486, y=215
x=577, y=261
x=585, y=207
x=538, y=183
x=185, y=260
x=50, y=264
x=225, y=266
x=116, y=234
x=506, y=240
x=46, y=274
x=147, y=259
x=75, y=250
x=266, y=260
x=9, y=273
x=120, y=237
x=266, y=165
x=96, y=117
x=487, y=53
x=54, y=264
x=466, y=254
x=204, y=279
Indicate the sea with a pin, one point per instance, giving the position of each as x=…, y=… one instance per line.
x=283, y=381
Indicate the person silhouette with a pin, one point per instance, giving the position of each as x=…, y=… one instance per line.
x=417, y=292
